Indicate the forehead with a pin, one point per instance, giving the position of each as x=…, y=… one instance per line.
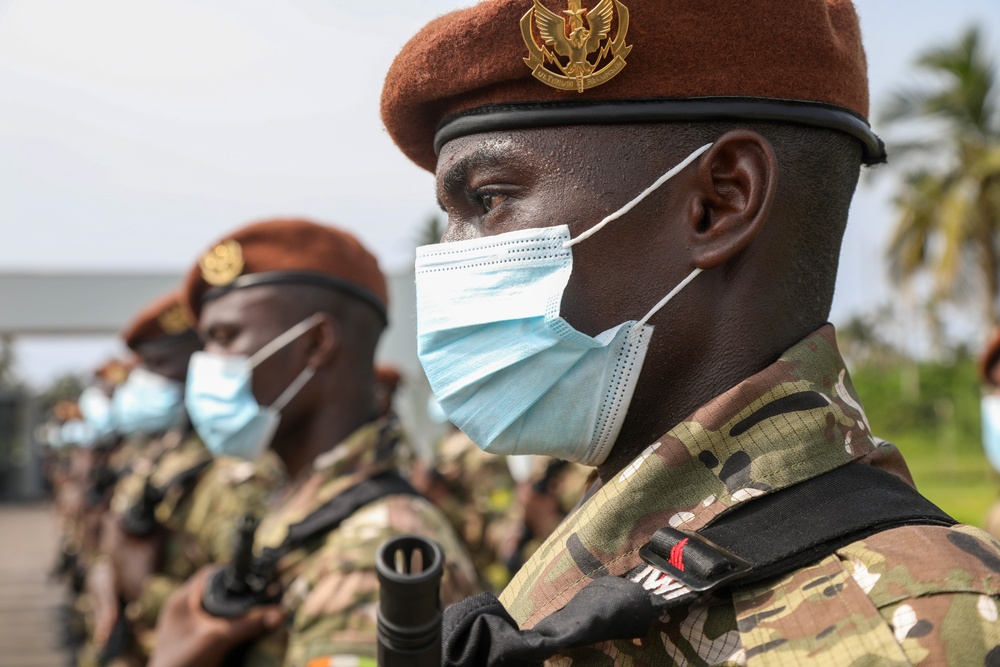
x=258, y=307
x=167, y=346
x=596, y=148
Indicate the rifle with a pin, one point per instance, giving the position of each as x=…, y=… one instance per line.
x=241, y=585
x=118, y=641
x=408, y=628
x=139, y=520
x=102, y=480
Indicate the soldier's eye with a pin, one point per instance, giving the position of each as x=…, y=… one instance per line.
x=490, y=200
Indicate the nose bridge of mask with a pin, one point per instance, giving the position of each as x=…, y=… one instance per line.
x=281, y=341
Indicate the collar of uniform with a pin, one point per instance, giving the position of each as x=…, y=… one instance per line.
x=796, y=419
x=371, y=445
x=368, y=451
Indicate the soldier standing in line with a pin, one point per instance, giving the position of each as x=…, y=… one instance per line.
x=989, y=370
x=645, y=205
x=291, y=312
x=175, y=508
x=476, y=492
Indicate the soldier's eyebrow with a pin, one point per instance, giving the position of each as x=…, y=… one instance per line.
x=455, y=180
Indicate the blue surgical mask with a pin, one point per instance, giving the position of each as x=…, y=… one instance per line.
x=148, y=403
x=221, y=404
x=990, y=408
x=96, y=408
x=77, y=432
x=506, y=368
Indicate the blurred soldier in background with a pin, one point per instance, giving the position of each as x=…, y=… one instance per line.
x=174, y=507
x=502, y=507
x=551, y=491
x=476, y=492
x=291, y=312
x=989, y=367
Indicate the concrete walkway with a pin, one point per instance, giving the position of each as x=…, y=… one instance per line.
x=29, y=601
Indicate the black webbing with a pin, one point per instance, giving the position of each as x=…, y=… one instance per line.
x=801, y=524
x=777, y=533
x=332, y=513
x=236, y=589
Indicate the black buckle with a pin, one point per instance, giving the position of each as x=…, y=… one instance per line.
x=698, y=563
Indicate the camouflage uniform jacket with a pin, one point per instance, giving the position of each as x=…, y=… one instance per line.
x=329, y=586
x=479, y=504
x=199, y=519
x=910, y=595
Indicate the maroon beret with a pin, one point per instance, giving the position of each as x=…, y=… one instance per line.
x=508, y=64
x=287, y=251
x=166, y=316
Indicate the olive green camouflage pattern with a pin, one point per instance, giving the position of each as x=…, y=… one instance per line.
x=911, y=595
x=479, y=503
x=199, y=519
x=553, y=490
x=330, y=588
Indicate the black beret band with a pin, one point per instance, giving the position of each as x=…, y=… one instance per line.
x=298, y=278
x=499, y=117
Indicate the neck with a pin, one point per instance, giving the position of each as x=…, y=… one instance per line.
x=670, y=392
x=321, y=430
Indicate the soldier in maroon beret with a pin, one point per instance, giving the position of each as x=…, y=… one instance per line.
x=291, y=312
x=645, y=203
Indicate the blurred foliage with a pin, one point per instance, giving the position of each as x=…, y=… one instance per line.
x=431, y=231
x=8, y=377
x=64, y=388
x=930, y=410
x=948, y=202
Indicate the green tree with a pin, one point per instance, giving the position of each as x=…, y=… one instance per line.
x=431, y=231
x=8, y=375
x=949, y=199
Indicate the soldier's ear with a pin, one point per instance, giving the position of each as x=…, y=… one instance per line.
x=325, y=339
x=734, y=189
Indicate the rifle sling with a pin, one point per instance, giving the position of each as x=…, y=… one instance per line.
x=757, y=540
x=333, y=512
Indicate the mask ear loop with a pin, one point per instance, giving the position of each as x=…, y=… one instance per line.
x=284, y=339
x=635, y=202
x=294, y=388
x=281, y=341
x=681, y=285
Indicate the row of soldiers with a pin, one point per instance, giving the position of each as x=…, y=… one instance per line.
x=252, y=405
x=646, y=203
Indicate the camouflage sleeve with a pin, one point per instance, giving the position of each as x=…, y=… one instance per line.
x=229, y=491
x=336, y=595
x=947, y=629
x=155, y=591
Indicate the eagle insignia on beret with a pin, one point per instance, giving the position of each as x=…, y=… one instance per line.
x=576, y=52
x=222, y=264
x=174, y=320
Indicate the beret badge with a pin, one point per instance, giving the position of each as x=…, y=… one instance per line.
x=577, y=51
x=222, y=264
x=174, y=320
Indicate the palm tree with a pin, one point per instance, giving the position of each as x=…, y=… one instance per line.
x=949, y=199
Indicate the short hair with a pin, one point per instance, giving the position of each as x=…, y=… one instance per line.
x=361, y=324
x=818, y=171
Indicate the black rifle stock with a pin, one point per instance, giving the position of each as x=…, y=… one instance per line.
x=409, y=571
x=237, y=588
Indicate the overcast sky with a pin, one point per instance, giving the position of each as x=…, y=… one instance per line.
x=134, y=132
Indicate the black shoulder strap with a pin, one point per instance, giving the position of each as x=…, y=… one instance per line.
x=139, y=520
x=244, y=583
x=756, y=540
x=332, y=513
x=790, y=528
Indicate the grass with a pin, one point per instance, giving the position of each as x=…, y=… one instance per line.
x=931, y=412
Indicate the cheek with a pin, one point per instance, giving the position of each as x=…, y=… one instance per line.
x=273, y=375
